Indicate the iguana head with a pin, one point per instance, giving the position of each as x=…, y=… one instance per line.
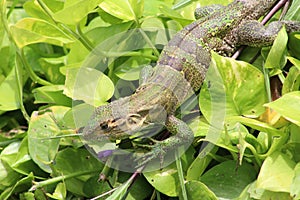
x=133, y=115
x=114, y=121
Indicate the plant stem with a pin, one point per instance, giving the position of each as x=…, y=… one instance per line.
x=18, y=74
x=181, y=177
x=129, y=54
x=58, y=179
x=149, y=42
x=35, y=78
x=79, y=37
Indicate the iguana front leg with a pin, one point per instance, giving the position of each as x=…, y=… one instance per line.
x=182, y=136
x=252, y=33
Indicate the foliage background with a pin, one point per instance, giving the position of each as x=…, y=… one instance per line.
x=43, y=44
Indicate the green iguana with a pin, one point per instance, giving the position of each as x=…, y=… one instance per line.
x=180, y=70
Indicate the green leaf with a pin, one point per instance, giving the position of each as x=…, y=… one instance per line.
x=166, y=180
x=209, y=2
x=77, y=161
x=27, y=196
x=253, y=192
x=226, y=177
x=94, y=90
x=35, y=30
x=294, y=11
x=130, y=69
x=152, y=8
x=276, y=173
x=199, y=126
x=232, y=88
x=59, y=193
x=292, y=81
x=288, y=106
x=174, y=15
x=295, y=189
x=44, y=125
x=33, y=8
x=198, y=190
x=124, y=9
x=277, y=56
x=257, y=125
x=52, y=95
x=51, y=67
x=294, y=42
x=9, y=87
x=20, y=160
x=78, y=53
x=75, y=10
x=140, y=184
x=294, y=136
x=199, y=165
x=6, y=65
x=295, y=62
x=8, y=176
x=156, y=25
x=120, y=192
x=93, y=187
x=20, y=186
x=77, y=116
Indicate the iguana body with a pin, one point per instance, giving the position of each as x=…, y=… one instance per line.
x=180, y=70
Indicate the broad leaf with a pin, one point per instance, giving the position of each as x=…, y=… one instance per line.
x=292, y=81
x=198, y=190
x=124, y=9
x=51, y=94
x=33, y=8
x=166, y=180
x=295, y=189
x=21, y=185
x=232, y=88
x=294, y=11
x=43, y=126
x=228, y=176
x=75, y=10
x=276, y=173
x=288, y=106
x=70, y=161
x=9, y=87
x=35, y=30
x=276, y=58
x=60, y=192
x=89, y=85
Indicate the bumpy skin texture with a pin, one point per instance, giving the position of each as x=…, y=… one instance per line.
x=180, y=70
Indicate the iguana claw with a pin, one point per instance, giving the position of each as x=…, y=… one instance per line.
x=157, y=150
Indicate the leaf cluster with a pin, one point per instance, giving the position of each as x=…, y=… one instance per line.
x=61, y=59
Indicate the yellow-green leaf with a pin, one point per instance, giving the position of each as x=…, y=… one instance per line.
x=288, y=106
x=31, y=31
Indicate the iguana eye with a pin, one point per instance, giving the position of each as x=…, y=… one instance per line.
x=131, y=121
x=104, y=126
x=134, y=119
